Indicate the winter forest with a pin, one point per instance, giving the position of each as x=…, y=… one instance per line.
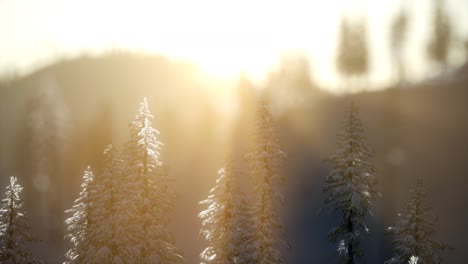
x=336, y=134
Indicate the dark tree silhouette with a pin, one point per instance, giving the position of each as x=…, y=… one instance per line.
x=352, y=59
x=439, y=44
x=399, y=28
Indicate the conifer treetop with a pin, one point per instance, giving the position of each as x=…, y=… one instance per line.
x=102, y=236
x=225, y=223
x=350, y=186
x=264, y=159
x=144, y=145
x=149, y=199
x=78, y=224
x=351, y=183
x=266, y=155
x=215, y=220
x=414, y=231
x=14, y=229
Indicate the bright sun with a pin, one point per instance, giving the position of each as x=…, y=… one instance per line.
x=224, y=37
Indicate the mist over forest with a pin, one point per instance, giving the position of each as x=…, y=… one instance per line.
x=58, y=119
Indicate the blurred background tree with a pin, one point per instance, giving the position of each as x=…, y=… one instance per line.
x=439, y=45
x=291, y=85
x=398, y=37
x=353, y=58
x=42, y=158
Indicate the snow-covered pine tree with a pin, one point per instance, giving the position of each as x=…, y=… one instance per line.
x=264, y=161
x=80, y=221
x=350, y=186
x=14, y=230
x=414, y=231
x=246, y=255
x=107, y=216
x=149, y=200
x=225, y=224
x=413, y=260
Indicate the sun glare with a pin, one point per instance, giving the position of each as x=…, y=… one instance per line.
x=225, y=38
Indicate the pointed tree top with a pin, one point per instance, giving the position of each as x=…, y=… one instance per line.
x=13, y=181
x=352, y=121
x=88, y=175
x=144, y=115
x=263, y=110
x=14, y=186
x=144, y=105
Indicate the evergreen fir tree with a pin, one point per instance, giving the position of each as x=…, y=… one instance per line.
x=14, y=230
x=350, y=186
x=246, y=236
x=107, y=216
x=225, y=223
x=80, y=221
x=149, y=200
x=413, y=232
x=264, y=163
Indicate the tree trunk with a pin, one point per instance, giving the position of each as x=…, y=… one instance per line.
x=350, y=249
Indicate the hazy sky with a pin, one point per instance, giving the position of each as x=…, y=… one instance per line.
x=224, y=37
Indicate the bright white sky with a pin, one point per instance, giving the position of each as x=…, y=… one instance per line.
x=224, y=37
